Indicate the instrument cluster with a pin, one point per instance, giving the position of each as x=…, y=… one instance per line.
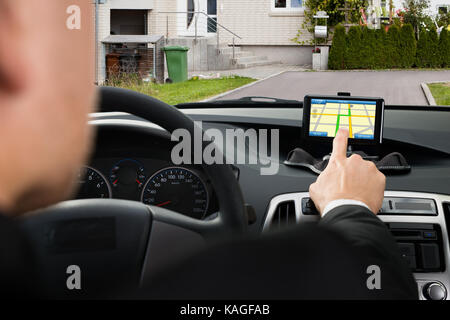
x=185, y=190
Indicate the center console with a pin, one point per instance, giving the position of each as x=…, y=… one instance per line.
x=417, y=222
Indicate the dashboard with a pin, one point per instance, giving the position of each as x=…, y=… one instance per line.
x=132, y=161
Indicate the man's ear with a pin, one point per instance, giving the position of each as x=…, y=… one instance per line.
x=13, y=72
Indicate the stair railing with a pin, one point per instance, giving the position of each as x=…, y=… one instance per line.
x=211, y=24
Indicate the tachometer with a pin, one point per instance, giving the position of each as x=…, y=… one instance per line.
x=177, y=189
x=93, y=184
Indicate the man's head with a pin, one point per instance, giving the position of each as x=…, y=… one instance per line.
x=46, y=91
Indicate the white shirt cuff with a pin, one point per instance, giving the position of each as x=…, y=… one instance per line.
x=342, y=202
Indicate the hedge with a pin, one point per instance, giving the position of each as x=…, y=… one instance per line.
x=408, y=46
x=337, y=51
x=379, y=54
x=423, y=45
x=353, y=48
x=444, y=47
x=393, y=52
x=363, y=48
x=367, y=48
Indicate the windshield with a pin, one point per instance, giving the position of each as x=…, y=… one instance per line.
x=206, y=50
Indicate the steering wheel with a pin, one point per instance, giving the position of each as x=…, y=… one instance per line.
x=84, y=247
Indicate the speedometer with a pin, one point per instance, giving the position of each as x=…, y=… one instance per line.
x=177, y=189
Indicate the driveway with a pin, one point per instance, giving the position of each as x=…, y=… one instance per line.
x=257, y=73
x=396, y=87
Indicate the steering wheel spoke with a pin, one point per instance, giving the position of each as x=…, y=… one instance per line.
x=133, y=240
x=203, y=227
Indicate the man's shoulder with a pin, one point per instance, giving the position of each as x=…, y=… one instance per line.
x=17, y=269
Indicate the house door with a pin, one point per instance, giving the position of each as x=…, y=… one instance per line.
x=191, y=23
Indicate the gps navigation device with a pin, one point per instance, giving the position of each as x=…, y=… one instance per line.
x=323, y=116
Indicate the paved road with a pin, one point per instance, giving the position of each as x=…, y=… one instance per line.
x=396, y=87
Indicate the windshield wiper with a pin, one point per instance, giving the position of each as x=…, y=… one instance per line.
x=245, y=102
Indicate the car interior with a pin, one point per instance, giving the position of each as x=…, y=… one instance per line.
x=138, y=212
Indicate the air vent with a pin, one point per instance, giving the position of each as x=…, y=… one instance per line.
x=284, y=215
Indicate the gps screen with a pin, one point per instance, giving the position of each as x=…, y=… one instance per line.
x=329, y=115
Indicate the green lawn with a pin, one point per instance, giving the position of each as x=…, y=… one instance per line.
x=189, y=91
x=441, y=93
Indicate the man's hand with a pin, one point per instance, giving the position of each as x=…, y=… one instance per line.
x=348, y=178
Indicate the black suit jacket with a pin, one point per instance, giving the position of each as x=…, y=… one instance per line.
x=17, y=264
x=328, y=260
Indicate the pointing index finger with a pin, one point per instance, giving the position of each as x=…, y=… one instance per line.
x=340, y=143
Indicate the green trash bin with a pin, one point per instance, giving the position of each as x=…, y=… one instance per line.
x=177, y=63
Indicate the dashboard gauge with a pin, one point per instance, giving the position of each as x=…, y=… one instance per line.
x=93, y=184
x=177, y=189
x=127, y=179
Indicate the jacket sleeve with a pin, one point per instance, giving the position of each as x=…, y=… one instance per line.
x=364, y=231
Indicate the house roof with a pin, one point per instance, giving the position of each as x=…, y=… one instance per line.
x=132, y=39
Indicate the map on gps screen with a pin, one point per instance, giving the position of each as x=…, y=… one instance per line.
x=328, y=116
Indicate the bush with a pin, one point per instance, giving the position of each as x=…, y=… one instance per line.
x=434, y=54
x=368, y=42
x=375, y=49
x=444, y=48
x=407, y=46
x=353, y=50
x=337, y=51
x=428, y=49
x=423, y=46
x=393, y=47
x=379, y=53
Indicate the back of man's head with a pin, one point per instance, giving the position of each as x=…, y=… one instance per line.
x=46, y=91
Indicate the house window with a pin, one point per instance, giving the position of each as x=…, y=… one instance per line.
x=296, y=3
x=280, y=3
x=212, y=16
x=287, y=5
x=442, y=9
x=191, y=10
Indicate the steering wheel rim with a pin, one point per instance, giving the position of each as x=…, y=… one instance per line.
x=231, y=202
x=47, y=227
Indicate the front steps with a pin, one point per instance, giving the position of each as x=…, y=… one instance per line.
x=244, y=59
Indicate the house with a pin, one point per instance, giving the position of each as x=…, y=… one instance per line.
x=222, y=34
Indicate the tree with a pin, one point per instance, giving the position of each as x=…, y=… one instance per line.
x=443, y=20
x=415, y=13
x=379, y=54
x=368, y=43
x=331, y=7
x=393, y=47
x=423, y=59
x=353, y=50
x=407, y=46
x=434, y=55
x=337, y=52
x=444, y=48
